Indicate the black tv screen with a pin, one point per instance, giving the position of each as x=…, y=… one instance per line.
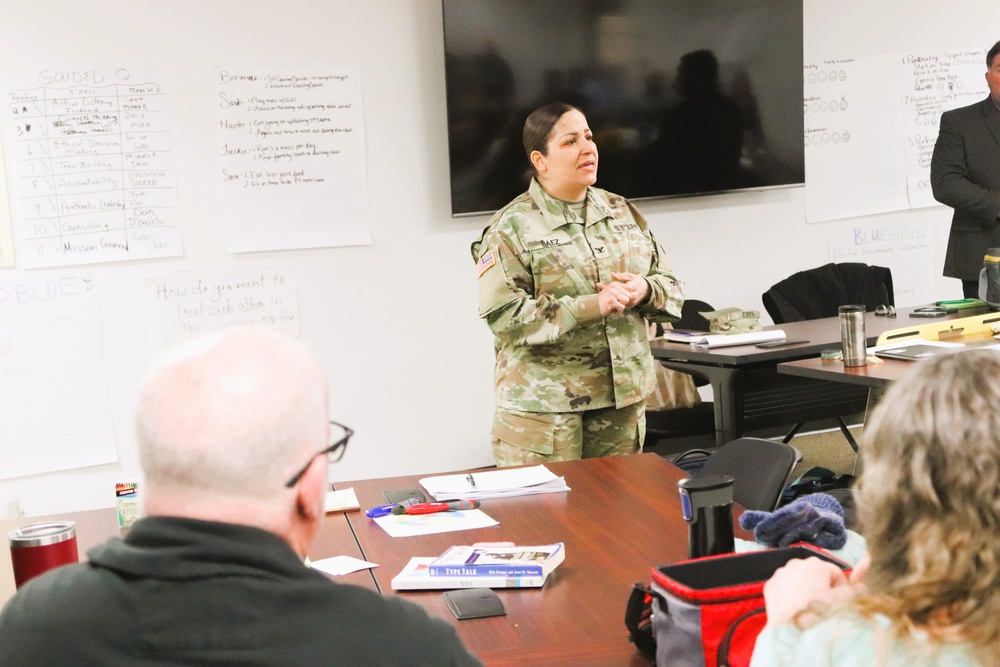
x=684, y=97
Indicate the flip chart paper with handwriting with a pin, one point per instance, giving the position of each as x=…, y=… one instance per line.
x=6, y=240
x=91, y=168
x=53, y=376
x=293, y=163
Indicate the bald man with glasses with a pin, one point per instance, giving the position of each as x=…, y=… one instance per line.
x=234, y=440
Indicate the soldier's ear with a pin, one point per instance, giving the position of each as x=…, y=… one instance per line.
x=538, y=161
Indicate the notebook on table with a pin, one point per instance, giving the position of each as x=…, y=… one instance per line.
x=916, y=351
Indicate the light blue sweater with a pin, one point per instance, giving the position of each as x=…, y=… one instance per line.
x=850, y=641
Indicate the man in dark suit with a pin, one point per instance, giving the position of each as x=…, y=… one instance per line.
x=965, y=174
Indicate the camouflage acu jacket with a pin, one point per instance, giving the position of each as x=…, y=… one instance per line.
x=537, y=266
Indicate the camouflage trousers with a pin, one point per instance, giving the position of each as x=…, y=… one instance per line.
x=531, y=438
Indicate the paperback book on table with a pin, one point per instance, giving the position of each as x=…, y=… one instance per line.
x=493, y=561
x=415, y=577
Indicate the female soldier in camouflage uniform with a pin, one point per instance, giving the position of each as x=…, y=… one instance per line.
x=566, y=275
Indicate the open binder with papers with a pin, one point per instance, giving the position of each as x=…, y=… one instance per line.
x=684, y=335
x=494, y=484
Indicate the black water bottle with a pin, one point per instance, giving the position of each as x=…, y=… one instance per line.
x=707, y=506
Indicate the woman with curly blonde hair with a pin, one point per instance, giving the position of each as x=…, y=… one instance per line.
x=928, y=501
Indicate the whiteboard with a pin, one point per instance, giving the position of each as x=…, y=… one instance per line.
x=363, y=281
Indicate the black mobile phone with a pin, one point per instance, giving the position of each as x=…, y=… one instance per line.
x=396, y=496
x=929, y=312
x=779, y=343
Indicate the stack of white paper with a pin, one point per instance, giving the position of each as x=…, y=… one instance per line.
x=341, y=501
x=494, y=484
x=728, y=340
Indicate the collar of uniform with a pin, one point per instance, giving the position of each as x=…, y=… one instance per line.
x=554, y=211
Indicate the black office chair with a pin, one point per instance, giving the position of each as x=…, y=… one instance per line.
x=819, y=292
x=687, y=422
x=759, y=467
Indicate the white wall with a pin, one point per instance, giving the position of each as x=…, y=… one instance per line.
x=395, y=323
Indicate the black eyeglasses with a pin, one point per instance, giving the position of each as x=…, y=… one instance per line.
x=885, y=311
x=335, y=452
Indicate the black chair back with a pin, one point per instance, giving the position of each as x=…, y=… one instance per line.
x=760, y=467
x=819, y=292
x=691, y=315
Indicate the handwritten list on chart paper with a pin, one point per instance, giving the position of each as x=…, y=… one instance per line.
x=853, y=140
x=292, y=150
x=932, y=84
x=191, y=302
x=871, y=125
x=89, y=161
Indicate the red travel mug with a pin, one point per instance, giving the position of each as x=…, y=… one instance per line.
x=40, y=547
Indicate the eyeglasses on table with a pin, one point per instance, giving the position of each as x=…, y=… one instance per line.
x=885, y=311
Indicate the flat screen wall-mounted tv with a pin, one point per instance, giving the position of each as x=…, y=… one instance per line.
x=685, y=97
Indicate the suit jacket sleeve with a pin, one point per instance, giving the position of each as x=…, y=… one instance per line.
x=954, y=175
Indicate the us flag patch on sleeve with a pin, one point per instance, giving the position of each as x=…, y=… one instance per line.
x=485, y=262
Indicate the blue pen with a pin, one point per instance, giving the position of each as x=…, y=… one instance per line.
x=381, y=510
x=385, y=510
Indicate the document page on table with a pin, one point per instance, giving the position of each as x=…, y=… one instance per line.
x=494, y=484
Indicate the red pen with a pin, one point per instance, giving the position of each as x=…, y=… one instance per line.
x=429, y=508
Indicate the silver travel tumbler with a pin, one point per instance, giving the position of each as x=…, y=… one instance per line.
x=852, y=335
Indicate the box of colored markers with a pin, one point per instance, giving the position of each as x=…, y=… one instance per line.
x=127, y=504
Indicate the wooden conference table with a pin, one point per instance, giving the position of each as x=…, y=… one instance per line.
x=872, y=375
x=93, y=527
x=621, y=517
x=750, y=393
